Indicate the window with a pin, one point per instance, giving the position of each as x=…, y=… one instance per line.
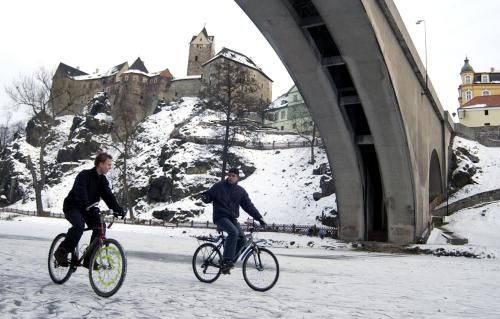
x=295, y=98
x=486, y=124
x=485, y=112
x=283, y=114
x=144, y=80
x=126, y=78
x=294, y=125
x=468, y=79
x=196, y=58
x=485, y=78
x=486, y=93
x=282, y=128
x=468, y=95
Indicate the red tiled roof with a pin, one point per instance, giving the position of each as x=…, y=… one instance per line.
x=489, y=100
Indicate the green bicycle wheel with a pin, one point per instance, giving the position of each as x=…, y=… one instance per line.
x=107, y=268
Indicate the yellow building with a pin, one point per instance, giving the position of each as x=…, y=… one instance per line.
x=479, y=97
x=477, y=83
x=480, y=111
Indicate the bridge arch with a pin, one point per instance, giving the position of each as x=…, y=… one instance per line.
x=362, y=80
x=436, y=189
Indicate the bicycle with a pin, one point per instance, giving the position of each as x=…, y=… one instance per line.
x=107, y=266
x=260, y=266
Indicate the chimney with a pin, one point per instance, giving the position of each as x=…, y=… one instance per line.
x=97, y=70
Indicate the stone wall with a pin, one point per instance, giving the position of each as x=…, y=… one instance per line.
x=481, y=198
x=183, y=87
x=486, y=135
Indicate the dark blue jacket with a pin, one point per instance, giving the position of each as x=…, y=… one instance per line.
x=227, y=199
x=90, y=187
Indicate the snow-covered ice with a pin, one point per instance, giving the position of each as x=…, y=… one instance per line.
x=333, y=281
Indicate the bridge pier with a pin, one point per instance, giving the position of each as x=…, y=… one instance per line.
x=355, y=69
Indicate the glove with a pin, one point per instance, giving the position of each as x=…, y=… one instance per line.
x=205, y=198
x=94, y=210
x=262, y=222
x=121, y=213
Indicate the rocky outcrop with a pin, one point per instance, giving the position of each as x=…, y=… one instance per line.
x=10, y=192
x=82, y=143
x=38, y=127
x=463, y=167
x=164, y=189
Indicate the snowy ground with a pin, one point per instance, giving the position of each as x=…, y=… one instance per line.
x=489, y=163
x=314, y=282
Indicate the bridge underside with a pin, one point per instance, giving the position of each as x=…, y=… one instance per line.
x=333, y=52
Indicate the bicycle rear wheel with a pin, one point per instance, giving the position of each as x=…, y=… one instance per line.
x=107, y=268
x=206, y=263
x=59, y=274
x=261, y=269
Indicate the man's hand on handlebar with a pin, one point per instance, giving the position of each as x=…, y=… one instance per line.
x=122, y=213
x=262, y=223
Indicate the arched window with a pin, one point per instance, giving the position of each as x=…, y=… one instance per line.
x=486, y=93
x=468, y=79
x=468, y=95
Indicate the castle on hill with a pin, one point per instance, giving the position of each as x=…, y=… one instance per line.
x=136, y=90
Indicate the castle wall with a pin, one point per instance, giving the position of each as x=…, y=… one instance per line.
x=184, y=87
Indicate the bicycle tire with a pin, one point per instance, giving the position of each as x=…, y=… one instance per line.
x=261, y=269
x=59, y=274
x=107, y=268
x=206, y=263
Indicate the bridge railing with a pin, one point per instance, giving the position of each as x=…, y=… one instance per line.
x=311, y=230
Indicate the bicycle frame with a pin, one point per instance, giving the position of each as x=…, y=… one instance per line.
x=249, y=246
x=94, y=244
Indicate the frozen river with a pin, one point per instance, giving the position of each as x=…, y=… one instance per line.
x=314, y=282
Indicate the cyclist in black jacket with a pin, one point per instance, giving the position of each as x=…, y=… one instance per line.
x=227, y=197
x=90, y=186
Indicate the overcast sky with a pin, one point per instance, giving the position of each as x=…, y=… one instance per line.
x=96, y=34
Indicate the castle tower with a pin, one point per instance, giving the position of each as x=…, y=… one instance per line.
x=201, y=49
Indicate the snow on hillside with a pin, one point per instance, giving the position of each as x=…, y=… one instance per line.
x=207, y=124
x=281, y=187
x=486, y=178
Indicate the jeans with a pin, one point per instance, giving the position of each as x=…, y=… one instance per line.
x=235, y=237
x=78, y=218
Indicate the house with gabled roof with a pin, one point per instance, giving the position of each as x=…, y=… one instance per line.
x=264, y=92
x=480, y=111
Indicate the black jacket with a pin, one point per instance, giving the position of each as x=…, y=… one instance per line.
x=227, y=199
x=90, y=187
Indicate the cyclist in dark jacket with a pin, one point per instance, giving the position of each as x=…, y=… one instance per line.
x=89, y=187
x=227, y=197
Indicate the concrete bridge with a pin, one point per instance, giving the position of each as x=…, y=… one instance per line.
x=385, y=131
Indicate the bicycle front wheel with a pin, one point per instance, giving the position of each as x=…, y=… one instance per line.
x=206, y=263
x=58, y=273
x=107, y=268
x=261, y=269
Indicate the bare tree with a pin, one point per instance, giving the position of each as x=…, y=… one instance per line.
x=308, y=131
x=124, y=132
x=230, y=89
x=35, y=91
